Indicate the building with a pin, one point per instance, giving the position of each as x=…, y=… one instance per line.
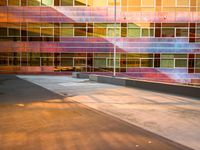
x=157, y=40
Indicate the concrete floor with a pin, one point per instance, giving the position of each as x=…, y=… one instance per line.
x=173, y=117
x=33, y=118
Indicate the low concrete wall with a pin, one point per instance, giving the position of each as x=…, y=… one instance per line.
x=180, y=90
x=80, y=75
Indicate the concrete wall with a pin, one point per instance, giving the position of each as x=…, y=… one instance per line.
x=181, y=90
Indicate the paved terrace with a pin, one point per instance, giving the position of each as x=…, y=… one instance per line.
x=33, y=117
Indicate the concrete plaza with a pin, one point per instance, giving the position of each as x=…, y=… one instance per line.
x=33, y=116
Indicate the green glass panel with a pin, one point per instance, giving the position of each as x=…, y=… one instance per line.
x=197, y=63
x=66, y=2
x=3, y=31
x=47, y=2
x=66, y=61
x=14, y=32
x=167, y=56
x=13, y=2
x=181, y=63
x=110, y=63
x=80, y=2
x=67, y=32
x=168, y=32
x=133, y=63
x=145, y=33
x=100, y=32
x=34, y=2
x=146, y=62
x=134, y=32
x=182, y=32
x=111, y=32
x=167, y=63
x=79, y=31
x=100, y=62
x=79, y=62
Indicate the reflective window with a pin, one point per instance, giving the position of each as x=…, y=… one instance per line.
x=79, y=31
x=69, y=32
x=111, y=32
x=168, y=3
x=79, y=62
x=197, y=63
x=183, y=2
x=66, y=2
x=168, y=32
x=146, y=62
x=3, y=31
x=181, y=63
x=167, y=63
x=34, y=2
x=13, y=2
x=136, y=3
x=133, y=63
x=14, y=32
x=100, y=32
x=100, y=62
x=80, y=2
x=148, y=3
x=99, y=2
x=133, y=32
x=182, y=32
x=47, y=2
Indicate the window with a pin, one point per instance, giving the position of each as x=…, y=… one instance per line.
x=80, y=2
x=13, y=2
x=167, y=32
x=181, y=63
x=3, y=31
x=136, y=3
x=33, y=31
x=181, y=32
x=34, y=59
x=167, y=63
x=100, y=32
x=133, y=63
x=46, y=31
x=146, y=62
x=46, y=61
x=99, y=2
x=198, y=32
x=110, y=62
x=146, y=32
x=183, y=3
x=3, y=3
x=14, y=32
x=66, y=2
x=100, y=62
x=14, y=61
x=34, y=2
x=133, y=32
x=68, y=32
x=66, y=61
x=168, y=3
x=148, y=3
x=3, y=61
x=197, y=63
x=79, y=31
x=111, y=2
x=111, y=32
x=47, y=2
x=78, y=62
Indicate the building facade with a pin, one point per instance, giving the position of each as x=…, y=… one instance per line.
x=157, y=40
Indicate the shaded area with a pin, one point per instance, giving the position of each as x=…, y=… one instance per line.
x=16, y=90
x=59, y=123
